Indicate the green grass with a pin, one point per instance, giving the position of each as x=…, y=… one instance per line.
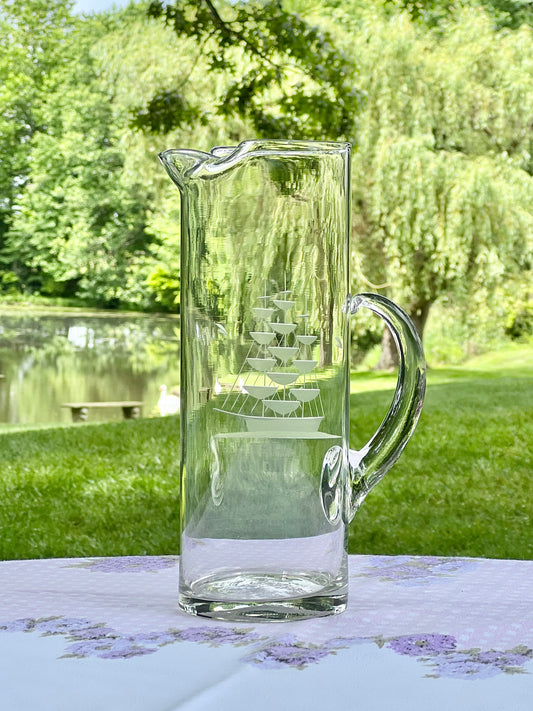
x=464, y=485
x=107, y=489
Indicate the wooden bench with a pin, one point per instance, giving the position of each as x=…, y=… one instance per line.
x=131, y=409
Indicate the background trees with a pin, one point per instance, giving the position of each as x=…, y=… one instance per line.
x=31, y=36
x=284, y=75
x=443, y=168
x=437, y=98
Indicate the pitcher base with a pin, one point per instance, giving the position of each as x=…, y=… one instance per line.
x=261, y=596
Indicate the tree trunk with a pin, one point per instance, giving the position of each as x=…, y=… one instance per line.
x=388, y=359
x=389, y=354
x=326, y=334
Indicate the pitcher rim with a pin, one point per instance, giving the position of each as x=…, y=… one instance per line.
x=221, y=157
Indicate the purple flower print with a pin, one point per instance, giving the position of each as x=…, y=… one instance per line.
x=218, y=635
x=158, y=639
x=439, y=652
x=414, y=570
x=24, y=624
x=62, y=625
x=277, y=656
x=422, y=645
x=129, y=564
x=108, y=648
x=94, y=632
x=474, y=664
x=48, y=625
x=288, y=652
x=92, y=639
x=513, y=658
x=123, y=649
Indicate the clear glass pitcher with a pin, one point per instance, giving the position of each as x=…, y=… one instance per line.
x=268, y=481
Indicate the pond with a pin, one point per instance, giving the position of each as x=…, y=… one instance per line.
x=49, y=358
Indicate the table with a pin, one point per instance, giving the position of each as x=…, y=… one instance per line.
x=419, y=633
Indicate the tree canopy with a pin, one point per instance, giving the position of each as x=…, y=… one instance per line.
x=286, y=76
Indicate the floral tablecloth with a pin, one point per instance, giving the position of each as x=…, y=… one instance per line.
x=105, y=633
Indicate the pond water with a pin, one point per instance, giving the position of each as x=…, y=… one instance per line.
x=47, y=359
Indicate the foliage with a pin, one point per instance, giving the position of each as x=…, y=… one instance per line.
x=95, y=216
x=166, y=287
x=288, y=79
x=31, y=36
x=504, y=13
x=442, y=176
x=519, y=321
x=80, y=226
x=442, y=186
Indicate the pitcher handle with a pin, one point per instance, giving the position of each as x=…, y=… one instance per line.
x=370, y=464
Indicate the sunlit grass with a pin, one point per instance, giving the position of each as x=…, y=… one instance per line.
x=464, y=485
x=106, y=489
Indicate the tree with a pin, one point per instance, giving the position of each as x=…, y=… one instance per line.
x=442, y=176
x=32, y=33
x=79, y=226
x=294, y=83
x=509, y=14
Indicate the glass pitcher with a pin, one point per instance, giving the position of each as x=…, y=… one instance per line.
x=268, y=481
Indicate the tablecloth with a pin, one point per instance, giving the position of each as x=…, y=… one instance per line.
x=418, y=633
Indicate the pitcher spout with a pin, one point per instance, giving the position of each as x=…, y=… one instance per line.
x=180, y=163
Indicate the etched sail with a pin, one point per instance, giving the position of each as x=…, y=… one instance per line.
x=283, y=304
x=284, y=353
x=283, y=378
x=282, y=407
x=305, y=394
x=262, y=313
x=261, y=364
x=259, y=392
x=264, y=338
x=305, y=366
x=306, y=340
x=283, y=328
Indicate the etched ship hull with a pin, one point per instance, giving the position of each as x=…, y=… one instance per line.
x=256, y=423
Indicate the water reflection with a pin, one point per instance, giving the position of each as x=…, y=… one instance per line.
x=48, y=359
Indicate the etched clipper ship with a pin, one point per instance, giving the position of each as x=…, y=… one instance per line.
x=276, y=387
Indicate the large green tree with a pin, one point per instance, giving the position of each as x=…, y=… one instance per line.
x=442, y=174
x=32, y=33
x=96, y=216
x=441, y=170
x=79, y=226
x=504, y=13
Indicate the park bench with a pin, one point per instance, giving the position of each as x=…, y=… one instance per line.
x=131, y=409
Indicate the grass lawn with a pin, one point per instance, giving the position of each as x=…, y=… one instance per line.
x=84, y=490
x=464, y=485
